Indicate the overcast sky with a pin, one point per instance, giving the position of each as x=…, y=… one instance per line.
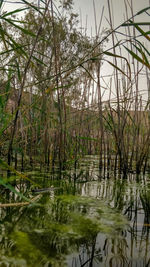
x=86, y=13
x=85, y=9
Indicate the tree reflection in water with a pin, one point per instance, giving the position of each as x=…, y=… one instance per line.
x=86, y=229
x=131, y=246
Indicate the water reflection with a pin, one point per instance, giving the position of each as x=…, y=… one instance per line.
x=87, y=222
x=133, y=200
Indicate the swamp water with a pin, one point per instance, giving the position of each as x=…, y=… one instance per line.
x=82, y=220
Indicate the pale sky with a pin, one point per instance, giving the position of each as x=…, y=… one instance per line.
x=86, y=13
x=85, y=7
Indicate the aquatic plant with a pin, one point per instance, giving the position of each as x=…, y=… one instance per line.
x=52, y=111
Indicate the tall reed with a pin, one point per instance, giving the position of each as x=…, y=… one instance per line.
x=53, y=111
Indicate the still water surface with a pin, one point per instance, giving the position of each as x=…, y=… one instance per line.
x=83, y=220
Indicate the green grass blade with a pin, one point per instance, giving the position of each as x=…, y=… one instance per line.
x=20, y=28
x=112, y=55
x=15, y=46
x=143, y=10
x=88, y=73
x=8, y=86
x=143, y=47
x=32, y=6
x=18, y=71
x=117, y=56
x=13, y=12
x=39, y=61
x=13, y=190
x=136, y=25
x=137, y=57
x=142, y=53
x=2, y=33
x=12, y=49
x=1, y=3
x=19, y=174
x=116, y=67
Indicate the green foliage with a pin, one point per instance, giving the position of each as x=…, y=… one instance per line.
x=19, y=174
x=144, y=60
x=48, y=67
x=13, y=190
x=64, y=224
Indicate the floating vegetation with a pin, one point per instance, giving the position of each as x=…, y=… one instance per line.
x=63, y=124
x=60, y=226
